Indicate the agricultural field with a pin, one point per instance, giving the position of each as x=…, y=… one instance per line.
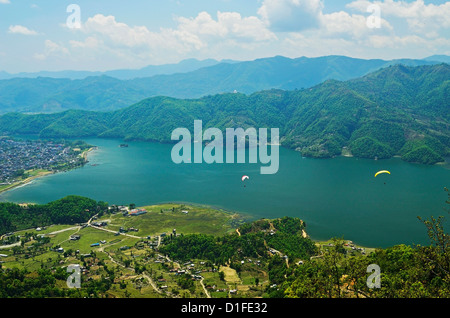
x=118, y=254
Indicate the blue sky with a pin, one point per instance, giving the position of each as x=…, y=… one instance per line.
x=113, y=34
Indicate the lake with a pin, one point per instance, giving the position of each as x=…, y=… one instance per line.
x=337, y=197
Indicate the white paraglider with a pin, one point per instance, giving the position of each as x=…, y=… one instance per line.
x=244, y=178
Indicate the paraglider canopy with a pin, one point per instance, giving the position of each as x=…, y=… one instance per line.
x=245, y=177
x=382, y=171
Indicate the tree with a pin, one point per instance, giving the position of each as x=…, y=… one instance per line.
x=437, y=256
x=332, y=257
x=127, y=263
x=355, y=275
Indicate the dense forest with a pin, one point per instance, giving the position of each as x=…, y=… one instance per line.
x=251, y=242
x=21, y=283
x=69, y=210
x=397, y=110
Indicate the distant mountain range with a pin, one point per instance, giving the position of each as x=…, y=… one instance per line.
x=396, y=110
x=113, y=90
x=438, y=58
x=184, y=66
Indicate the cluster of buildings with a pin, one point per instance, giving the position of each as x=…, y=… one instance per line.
x=16, y=157
x=136, y=212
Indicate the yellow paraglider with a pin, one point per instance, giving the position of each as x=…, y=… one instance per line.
x=382, y=171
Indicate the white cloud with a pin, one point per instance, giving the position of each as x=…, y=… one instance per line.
x=408, y=29
x=89, y=43
x=403, y=9
x=251, y=28
x=350, y=25
x=202, y=24
x=280, y=27
x=190, y=32
x=378, y=46
x=408, y=41
x=426, y=19
x=5, y=2
x=291, y=15
x=119, y=33
x=122, y=39
x=52, y=49
x=201, y=35
x=379, y=41
x=227, y=25
x=20, y=29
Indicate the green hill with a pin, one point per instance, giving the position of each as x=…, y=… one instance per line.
x=397, y=110
x=106, y=93
x=69, y=210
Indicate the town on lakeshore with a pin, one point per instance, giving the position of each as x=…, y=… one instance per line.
x=22, y=159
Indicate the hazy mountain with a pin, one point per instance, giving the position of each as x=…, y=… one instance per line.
x=397, y=110
x=187, y=65
x=106, y=93
x=52, y=74
x=276, y=72
x=438, y=58
x=184, y=66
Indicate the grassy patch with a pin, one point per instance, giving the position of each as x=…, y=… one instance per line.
x=186, y=219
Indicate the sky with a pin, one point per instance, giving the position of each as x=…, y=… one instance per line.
x=100, y=35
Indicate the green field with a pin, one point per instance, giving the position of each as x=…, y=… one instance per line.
x=139, y=271
x=165, y=218
x=123, y=253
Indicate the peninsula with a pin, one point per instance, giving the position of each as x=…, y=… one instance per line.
x=22, y=161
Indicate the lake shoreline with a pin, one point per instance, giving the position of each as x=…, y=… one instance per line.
x=336, y=198
x=41, y=174
x=26, y=181
x=247, y=217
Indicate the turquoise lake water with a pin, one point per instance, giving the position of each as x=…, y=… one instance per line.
x=337, y=197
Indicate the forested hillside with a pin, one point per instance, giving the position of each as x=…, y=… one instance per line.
x=107, y=92
x=397, y=110
x=69, y=210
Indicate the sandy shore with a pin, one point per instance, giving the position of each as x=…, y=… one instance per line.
x=85, y=153
x=25, y=181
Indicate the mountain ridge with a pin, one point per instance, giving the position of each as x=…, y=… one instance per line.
x=183, y=66
x=106, y=93
x=397, y=110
